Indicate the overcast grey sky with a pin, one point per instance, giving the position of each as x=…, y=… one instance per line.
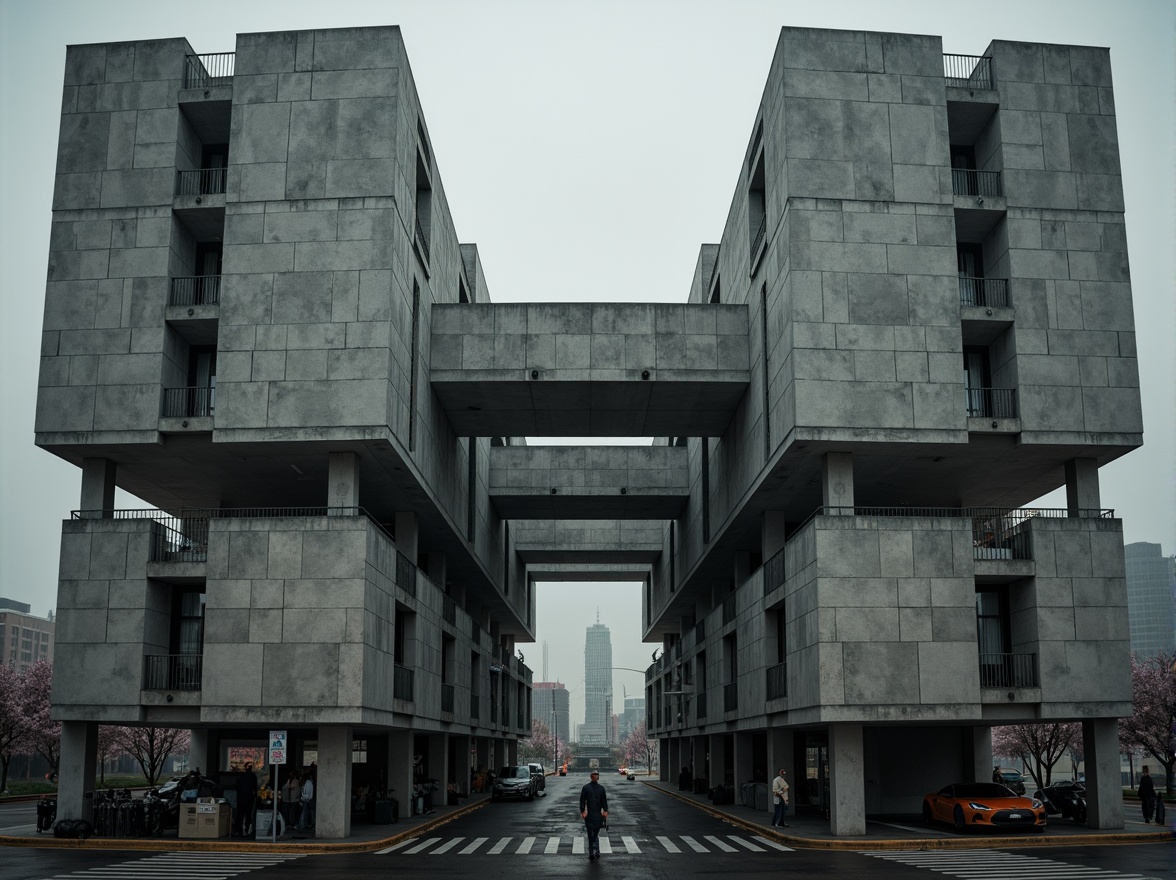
x=588, y=149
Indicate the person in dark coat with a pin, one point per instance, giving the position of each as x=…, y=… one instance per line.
x=594, y=812
x=1147, y=794
x=246, y=799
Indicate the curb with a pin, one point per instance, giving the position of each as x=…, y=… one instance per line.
x=1111, y=838
x=229, y=845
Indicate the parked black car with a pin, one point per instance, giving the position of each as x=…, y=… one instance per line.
x=1067, y=799
x=516, y=781
x=540, y=775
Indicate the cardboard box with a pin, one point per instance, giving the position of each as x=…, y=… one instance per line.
x=205, y=821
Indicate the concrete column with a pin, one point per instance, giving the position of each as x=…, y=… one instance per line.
x=1104, y=792
x=97, y=497
x=485, y=758
x=332, y=792
x=407, y=532
x=1082, y=485
x=702, y=762
x=781, y=757
x=718, y=764
x=438, y=759
x=400, y=768
x=742, y=567
x=198, y=750
x=512, y=751
x=743, y=763
x=75, y=770
x=772, y=538
x=435, y=568
x=459, y=771
x=982, y=761
x=837, y=481
x=342, y=484
x=498, y=753
x=847, y=792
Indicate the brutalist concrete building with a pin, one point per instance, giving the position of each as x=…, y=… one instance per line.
x=918, y=320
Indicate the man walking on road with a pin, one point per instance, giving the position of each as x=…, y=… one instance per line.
x=780, y=800
x=593, y=810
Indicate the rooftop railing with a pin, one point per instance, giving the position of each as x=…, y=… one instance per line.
x=968, y=71
x=205, y=71
x=991, y=403
x=201, y=181
x=970, y=182
x=988, y=292
x=194, y=290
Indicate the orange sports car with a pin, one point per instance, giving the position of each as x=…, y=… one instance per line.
x=983, y=805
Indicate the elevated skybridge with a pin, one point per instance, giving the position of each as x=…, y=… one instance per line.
x=626, y=545
x=589, y=482
x=589, y=369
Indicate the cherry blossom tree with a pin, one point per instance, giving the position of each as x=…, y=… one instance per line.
x=109, y=747
x=150, y=746
x=640, y=748
x=1038, y=746
x=1152, y=726
x=541, y=745
x=11, y=720
x=41, y=734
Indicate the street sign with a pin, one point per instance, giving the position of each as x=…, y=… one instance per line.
x=277, y=748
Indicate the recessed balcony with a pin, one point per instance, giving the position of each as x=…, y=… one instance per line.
x=210, y=70
x=1008, y=671
x=991, y=403
x=968, y=71
x=194, y=290
x=173, y=672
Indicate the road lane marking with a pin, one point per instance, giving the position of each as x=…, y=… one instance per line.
x=605, y=845
x=474, y=844
x=725, y=847
x=773, y=844
x=747, y=843
x=423, y=845
x=498, y=847
x=552, y=846
x=447, y=846
x=669, y=845
x=630, y=844
x=396, y=846
x=694, y=844
x=525, y=846
x=577, y=846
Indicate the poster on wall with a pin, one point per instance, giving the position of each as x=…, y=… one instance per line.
x=236, y=756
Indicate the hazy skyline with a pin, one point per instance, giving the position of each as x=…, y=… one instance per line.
x=589, y=149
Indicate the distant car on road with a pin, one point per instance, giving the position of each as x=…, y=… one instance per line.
x=514, y=782
x=983, y=805
x=540, y=776
x=1010, y=778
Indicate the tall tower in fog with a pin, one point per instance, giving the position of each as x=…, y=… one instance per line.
x=597, y=684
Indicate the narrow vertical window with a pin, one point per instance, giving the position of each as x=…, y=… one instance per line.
x=472, y=494
x=413, y=365
x=767, y=375
x=706, y=490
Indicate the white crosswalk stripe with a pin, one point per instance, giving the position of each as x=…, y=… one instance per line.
x=169, y=866
x=576, y=845
x=976, y=864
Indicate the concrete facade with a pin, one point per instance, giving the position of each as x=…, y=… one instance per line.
x=259, y=319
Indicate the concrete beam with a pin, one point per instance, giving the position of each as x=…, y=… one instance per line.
x=591, y=542
x=602, y=482
x=589, y=369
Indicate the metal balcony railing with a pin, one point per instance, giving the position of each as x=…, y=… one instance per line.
x=205, y=71
x=970, y=182
x=991, y=403
x=1001, y=534
x=777, y=681
x=188, y=403
x=194, y=290
x=402, y=683
x=1008, y=670
x=989, y=292
x=173, y=672
x=700, y=705
x=968, y=71
x=447, y=698
x=201, y=181
x=731, y=696
x=758, y=238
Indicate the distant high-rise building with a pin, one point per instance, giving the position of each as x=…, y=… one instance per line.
x=1151, y=598
x=597, y=684
x=550, y=704
x=633, y=715
x=24, y=638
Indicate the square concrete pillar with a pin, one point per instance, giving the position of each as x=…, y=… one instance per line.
x=342, y=483
x=837, y=482
x=439, y=764
x=75, y=769
x=198, y=750
x=1104, y=791
x=774, y=528
x=982, y=761
x=781, y=757
x=498, y=754
x=512, y=751
x=332, y=792
x=718, y=765
x=407, y=534
x=701, y=755
x=1082, y=485
x=400, y=768
x=847, y=793
x=462, y=764
x=744, y=771
x=97, y=497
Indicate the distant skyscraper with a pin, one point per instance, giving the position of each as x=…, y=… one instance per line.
x=1151, y=598
x=548, y=697
x=633, y=715
x=597, y=685
x=24, y=637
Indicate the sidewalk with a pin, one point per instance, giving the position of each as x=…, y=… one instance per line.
x=807, y=831
x=364, y=837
